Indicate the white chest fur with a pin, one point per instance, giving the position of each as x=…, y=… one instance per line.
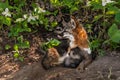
x=72, y=42
x=71, y=38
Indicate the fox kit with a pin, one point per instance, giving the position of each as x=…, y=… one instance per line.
x=52, y=55
x=78, y=38
x=50, y=59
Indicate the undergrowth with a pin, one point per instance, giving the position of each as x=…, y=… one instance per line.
x=101, y=19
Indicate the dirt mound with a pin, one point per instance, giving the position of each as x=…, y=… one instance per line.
x=103, y=68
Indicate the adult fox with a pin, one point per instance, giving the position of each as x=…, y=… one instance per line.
x=78, y=37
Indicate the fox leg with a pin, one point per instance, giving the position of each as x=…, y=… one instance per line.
x=69, y=49
x=85, y=62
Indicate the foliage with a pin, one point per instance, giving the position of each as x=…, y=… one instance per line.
x=114, y=36
x=51, y=43
x=108, y=13
x=16, y=54
x=7, y=47
x=101, y=19
x=73, y=5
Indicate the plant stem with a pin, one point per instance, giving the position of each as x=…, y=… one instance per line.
x=104, y=16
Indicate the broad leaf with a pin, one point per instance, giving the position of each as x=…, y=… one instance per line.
x=117, y=17
x=112, y=10
x=7, y=21
x=15, y=47
x=54, y=42
x=4, y=5
x=116, y=37
x=112, y=30
x=16, y=55
x=7, y=47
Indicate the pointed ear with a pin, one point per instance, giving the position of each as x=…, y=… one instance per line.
x=73, y=23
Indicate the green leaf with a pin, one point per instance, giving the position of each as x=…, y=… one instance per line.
x=21, y=59
x=117, y=17
x=54, y=24
x=16, y=1
x=24, y=44
x=16, y=55
x=54, y=42
x=96, y=18
x=28, y=29
x=55, y=2
x=8, y=21
x=101, y=52
x=112, y=10
x=96, y=5
x=73, y=9
x=15, y=47
x=112, y=30
x=7, y=47
x=20, y=39
x=4, y=5
x=116, y=37
x=95, y=44
x=50, y=44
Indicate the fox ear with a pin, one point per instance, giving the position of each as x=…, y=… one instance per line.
x=73, y=23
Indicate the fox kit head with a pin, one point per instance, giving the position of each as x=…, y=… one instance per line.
x=50, y=59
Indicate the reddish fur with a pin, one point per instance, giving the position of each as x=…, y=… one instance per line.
x=53, y=53
x=80, y=35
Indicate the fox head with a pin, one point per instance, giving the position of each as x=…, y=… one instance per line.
x=72, y=24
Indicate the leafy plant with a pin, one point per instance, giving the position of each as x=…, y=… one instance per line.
x=97, y=16
x=95, y=46
x=51, y=43
x=73, y=5
x=7, y=47
x=17, y=54
x=108, y=14
x=114, y=36
x=20, y=21
x=21, y=43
